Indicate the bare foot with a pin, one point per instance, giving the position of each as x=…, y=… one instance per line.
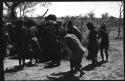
x=81, y=73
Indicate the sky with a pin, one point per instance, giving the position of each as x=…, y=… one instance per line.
x=79, y=8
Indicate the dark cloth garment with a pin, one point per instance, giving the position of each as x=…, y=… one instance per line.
x=27, y=45
x=22, y=43
x=93, y=44
x=104, y=43
x=49, y=32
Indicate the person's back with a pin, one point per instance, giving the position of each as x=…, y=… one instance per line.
x=74, y=45
x=93, y=43
x=93, y=39
x=76, y=51
x=73, y=30
x=93, y=35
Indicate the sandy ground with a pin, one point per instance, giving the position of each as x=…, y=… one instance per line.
x=112, y=70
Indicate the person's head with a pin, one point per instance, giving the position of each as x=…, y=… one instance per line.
x=30, y=23
x=59, y=23
x=69, y=24
x=51, y=17
x=19, y=23
x=90, y=26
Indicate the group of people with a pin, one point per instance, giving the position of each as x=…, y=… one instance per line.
x=50, y=35
x=97, y=40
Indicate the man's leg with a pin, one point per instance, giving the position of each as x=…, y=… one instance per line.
x=101, y=50
x=71, y=67
x=94, y=61
x=106, y=52
x=81, y=72
x=19, y=61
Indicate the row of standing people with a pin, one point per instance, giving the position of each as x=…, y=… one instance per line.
x=97, y=40
x=51, y=44
x=26, y=36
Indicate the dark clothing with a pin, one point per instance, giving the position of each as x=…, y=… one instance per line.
x=93, y=44
x=104, y=43
x=26, y=41
x=49, y=32
x=104, y=39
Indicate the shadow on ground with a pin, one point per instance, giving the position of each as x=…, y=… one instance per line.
x=51, y=65
x=18, y=68
x=68, y=76
x=30, y=64
x=62, y=76
x=15, y=69
x=92, y=66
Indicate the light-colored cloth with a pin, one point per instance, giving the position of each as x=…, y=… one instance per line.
x=75, y=46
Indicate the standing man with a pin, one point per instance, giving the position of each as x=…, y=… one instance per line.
x=104, y=43
x=52, y=26
x=93, y=43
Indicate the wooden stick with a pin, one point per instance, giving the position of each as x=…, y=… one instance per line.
x=45, y=13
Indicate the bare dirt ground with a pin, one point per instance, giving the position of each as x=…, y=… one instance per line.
x=112, y=70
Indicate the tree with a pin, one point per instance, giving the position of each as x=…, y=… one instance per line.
x=112, y=21
x=12, y=8
x=2, y=45
x=91, y=15
x=105, y=15
x=24, y=7
x=82, y=22
x=120, y=13
x=27, y=7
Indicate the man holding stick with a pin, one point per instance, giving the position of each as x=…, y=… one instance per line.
x=103, y=35
x=104, y=43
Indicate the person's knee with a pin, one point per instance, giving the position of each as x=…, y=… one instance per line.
x=106, y=49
